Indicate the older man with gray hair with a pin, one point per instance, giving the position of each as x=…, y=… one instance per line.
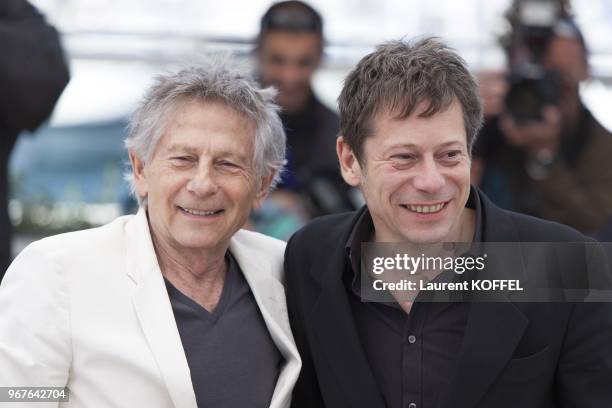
x=174, y=306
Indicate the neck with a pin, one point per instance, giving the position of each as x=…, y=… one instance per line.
x=467, y=226
x=298, y=109
x=199, y=274
x=190, y=268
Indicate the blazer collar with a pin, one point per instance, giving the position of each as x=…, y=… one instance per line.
x=154, y=311
x=495, y=325
x=269, y=293
x=334, y=328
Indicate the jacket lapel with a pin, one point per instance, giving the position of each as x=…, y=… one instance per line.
x=154, y=311
x=492, y=333
x=269, y=293
x=334, y=327
x=495, y=325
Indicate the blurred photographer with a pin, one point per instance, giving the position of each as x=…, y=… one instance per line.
x=545, y=154
x=33, y=74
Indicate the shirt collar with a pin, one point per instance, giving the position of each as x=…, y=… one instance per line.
x=363, y=231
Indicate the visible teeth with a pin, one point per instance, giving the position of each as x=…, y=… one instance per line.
x=426, y=208
x=197, y=212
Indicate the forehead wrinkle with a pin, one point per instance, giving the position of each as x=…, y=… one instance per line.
x=387, y=120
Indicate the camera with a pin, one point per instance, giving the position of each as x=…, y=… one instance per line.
x=531, y=85
x=531, y=88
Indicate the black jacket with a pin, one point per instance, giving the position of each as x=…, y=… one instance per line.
x=513, y=354
x=33, y=74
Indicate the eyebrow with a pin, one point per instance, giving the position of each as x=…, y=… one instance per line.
x=174, y=148
x=451, y=143
x=181, y=148
x=414, y=146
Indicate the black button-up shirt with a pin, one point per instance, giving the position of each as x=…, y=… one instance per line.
x=412, y=356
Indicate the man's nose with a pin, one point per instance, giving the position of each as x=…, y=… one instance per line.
x=429, y=178
x=203, y=182
x=290, y=74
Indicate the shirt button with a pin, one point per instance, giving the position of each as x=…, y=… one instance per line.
x=411, y=340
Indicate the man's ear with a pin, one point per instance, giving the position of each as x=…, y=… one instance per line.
x=138, y=173
x=349, y=166
x=264, y=188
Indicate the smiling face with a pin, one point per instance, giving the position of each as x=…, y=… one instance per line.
x=200, y=183
x=415, y=177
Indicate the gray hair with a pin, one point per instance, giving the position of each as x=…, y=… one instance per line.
x=398, y=76
x=212, y=80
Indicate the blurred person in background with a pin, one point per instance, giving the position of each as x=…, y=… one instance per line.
x=543, y=152
x=33, y=74
x=289, y=51
x=174, y=306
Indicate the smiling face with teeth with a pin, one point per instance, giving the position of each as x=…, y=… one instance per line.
x=201, y=183
x=415, y=176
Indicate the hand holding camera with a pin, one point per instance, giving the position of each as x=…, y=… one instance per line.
x=535, y=136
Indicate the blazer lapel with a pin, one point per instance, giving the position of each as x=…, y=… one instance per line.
x=495, y=325
x=269, y=293
x=493, y=331
x=334, y=327
x=154, y=311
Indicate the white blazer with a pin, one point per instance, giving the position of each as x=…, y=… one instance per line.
x=89, y=310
